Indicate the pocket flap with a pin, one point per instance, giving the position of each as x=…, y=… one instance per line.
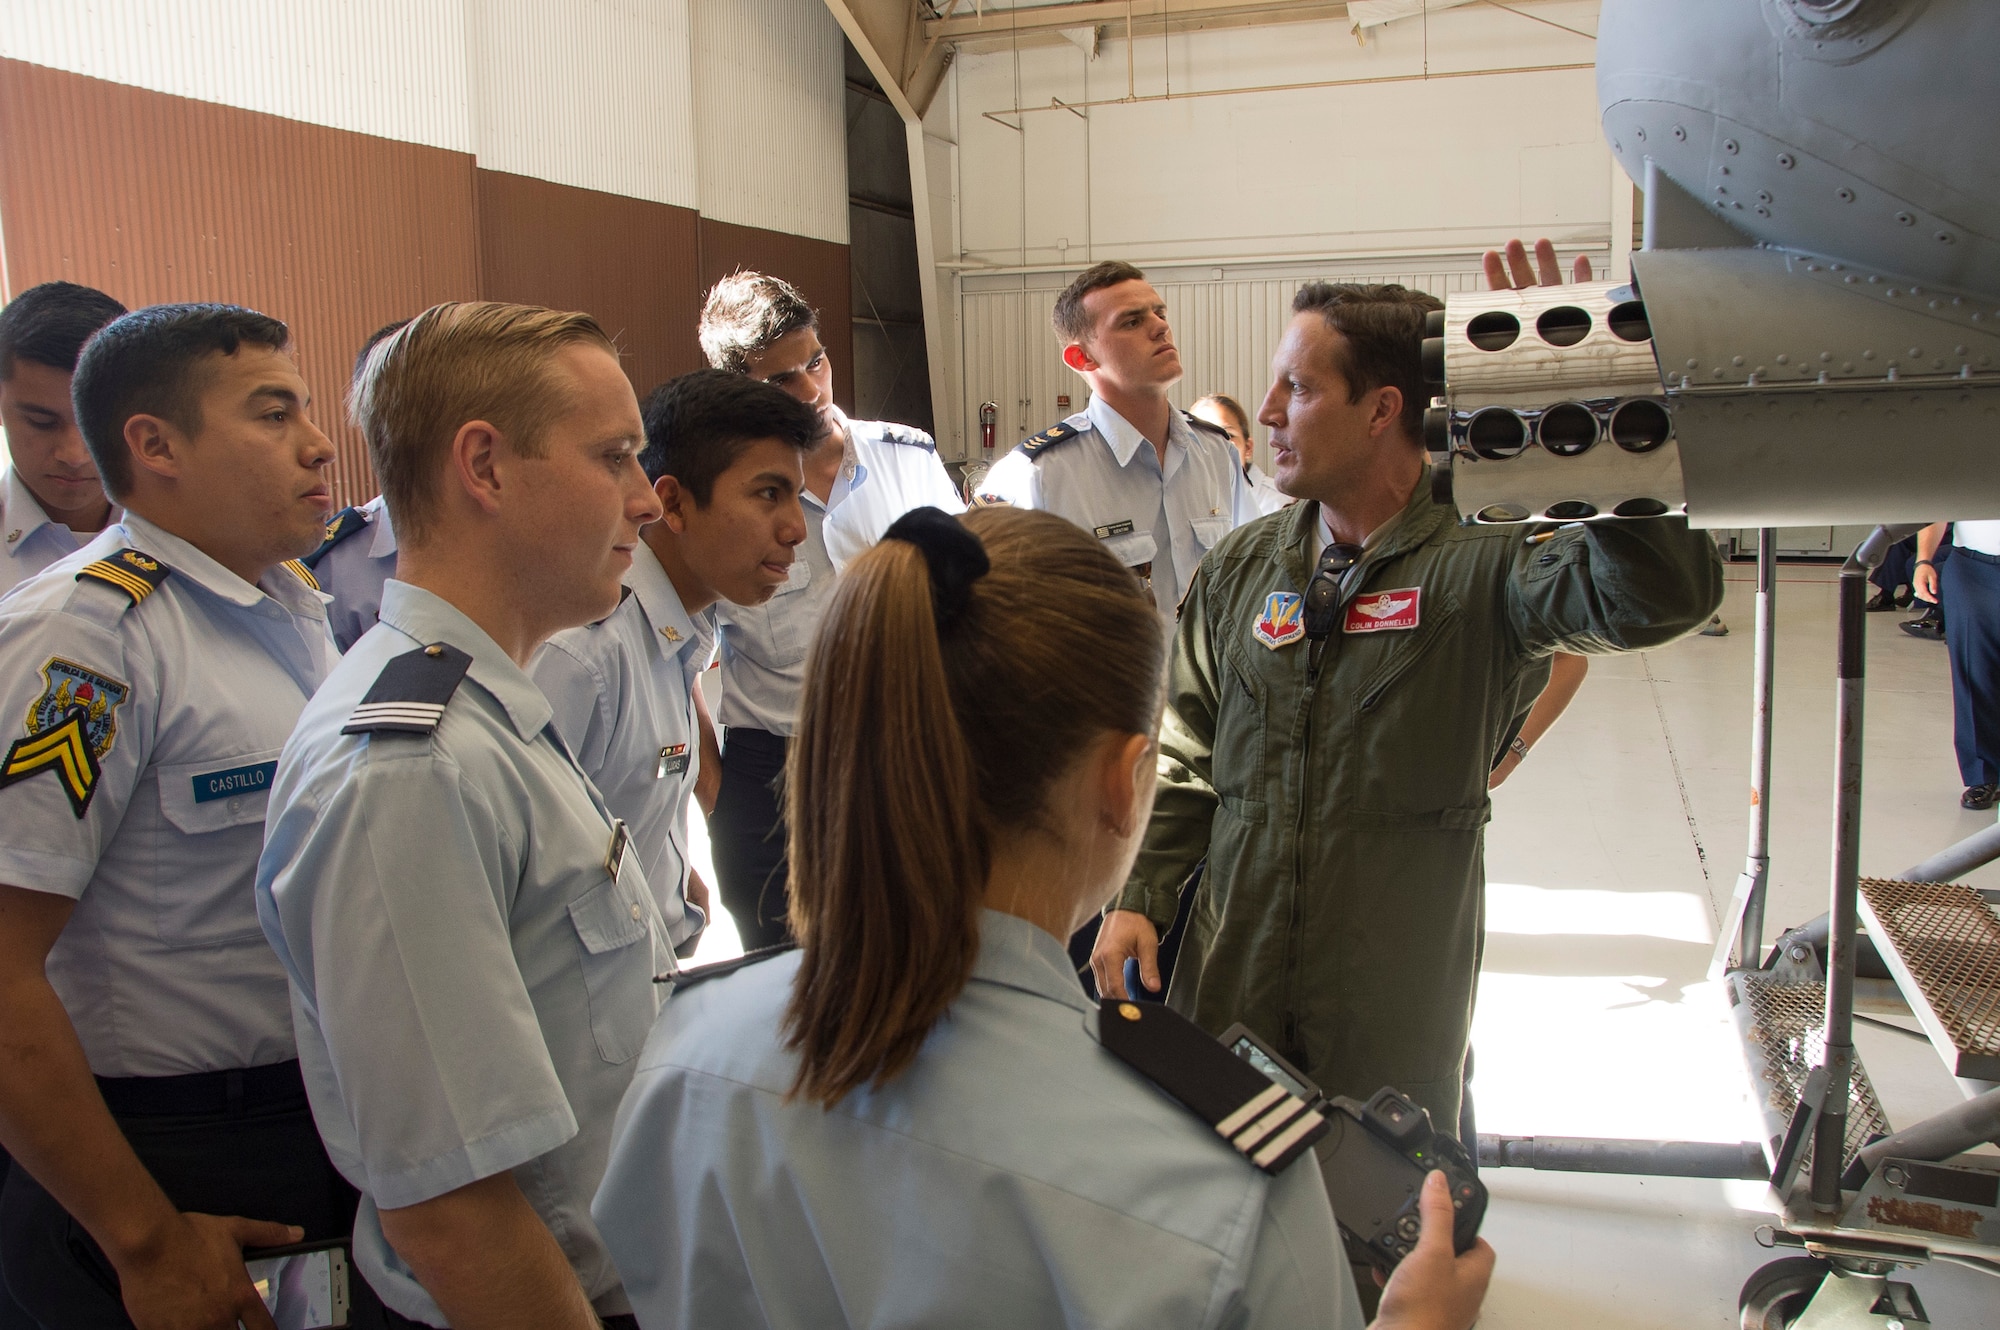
x=1133, y=549
x=220, y=792
x=607, y=918
x=1209, y=530
x=799, y=579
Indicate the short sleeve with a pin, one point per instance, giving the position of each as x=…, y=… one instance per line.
x=79, y=708
x=392, y=903
x=579, y=697
x=1299, y=1275
x=1012, y=481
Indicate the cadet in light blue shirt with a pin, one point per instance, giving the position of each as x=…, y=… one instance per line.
x=859, y=479
x=722, y=451
x=911, y=1121
x=1157, y=486
x=51, y=500
x=351, y=564
x=467, y=929
x=149, y=681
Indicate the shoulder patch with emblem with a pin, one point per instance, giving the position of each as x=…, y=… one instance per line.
x=1261, y=1120
x=1283, y=621
x=71, y=728
x=137, y=575
x=682, y=980
x=345, y=523
x=1033, y=447
x=410, y=695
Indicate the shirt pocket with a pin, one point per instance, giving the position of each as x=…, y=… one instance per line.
x=214, y=811
x=1208, y=531
x=777, y=633
x=1134, y=549
x=613, y=934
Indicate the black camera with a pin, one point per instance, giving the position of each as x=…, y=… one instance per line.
x=1375, y=1158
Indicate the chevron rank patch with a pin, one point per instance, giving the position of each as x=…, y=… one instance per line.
x=71, y=728
x=137, y=575
x=1260, y=1119
x=298, y=568
x=1038, y=444
x=410, y=694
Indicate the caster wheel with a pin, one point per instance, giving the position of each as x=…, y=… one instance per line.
x=1774, y=1297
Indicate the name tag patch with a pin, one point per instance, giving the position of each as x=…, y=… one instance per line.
x=1111, y=529
x=673, y=761
x=253, y=779
x=1383, y=611
x=1283, y=621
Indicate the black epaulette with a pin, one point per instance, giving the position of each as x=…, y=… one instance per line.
x=682, y=980
x=1033, y=448
x=344, y=524
x=1208, y=425
x=137, y=575
x=908, y=437
x=410, y=694
x=1263, y=1121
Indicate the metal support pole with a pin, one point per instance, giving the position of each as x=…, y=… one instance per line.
x=1757, y=862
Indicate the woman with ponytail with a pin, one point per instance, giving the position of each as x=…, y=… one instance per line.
x=908, y=1121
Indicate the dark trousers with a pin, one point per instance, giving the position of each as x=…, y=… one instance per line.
x=220, y=1143
x=1085, y=941
x=747, y=834
x=12, y=1316
x=1899, y=564
x=394, y=1321
x=1971, y=584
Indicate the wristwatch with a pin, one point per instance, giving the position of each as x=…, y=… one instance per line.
x=1518, y=748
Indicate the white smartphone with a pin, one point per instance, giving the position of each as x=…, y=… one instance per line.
x=303, y=1287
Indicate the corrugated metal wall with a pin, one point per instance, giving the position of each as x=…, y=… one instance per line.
x=592, y=93
x=768, y=93
x=817, y=267
x=158, y=198
x=1226, y=330
x=633, y=264
x=392, y=68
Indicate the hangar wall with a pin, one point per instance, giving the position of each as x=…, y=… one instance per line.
x=342, y=166
x=1426, y=157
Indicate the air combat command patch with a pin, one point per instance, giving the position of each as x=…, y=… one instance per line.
x=1284, y=620
x=70, y=729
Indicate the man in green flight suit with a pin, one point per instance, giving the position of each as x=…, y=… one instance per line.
x=1333, y=767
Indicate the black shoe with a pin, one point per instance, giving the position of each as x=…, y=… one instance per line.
x=1930, y=627
x=1881, y=600
x=1978, y=797
x=1906, y=597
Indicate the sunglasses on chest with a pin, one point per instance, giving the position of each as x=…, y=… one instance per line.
x=1323, y=591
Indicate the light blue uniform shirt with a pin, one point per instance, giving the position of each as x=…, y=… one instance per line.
x=1015, y=1175
x=353, y=572
x=471, y=987
x=763, y=647
x=29, y=540
x=623, y=694
x=1109, y=481
x=889, y=469
x=191, y=694
x=1264, y=491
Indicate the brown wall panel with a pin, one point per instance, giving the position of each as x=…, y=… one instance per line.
x=819, y=268
x=159, y=198
x=632, y=264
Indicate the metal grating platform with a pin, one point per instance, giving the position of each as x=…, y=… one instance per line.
x=1942, y=942
x=1784, y=1032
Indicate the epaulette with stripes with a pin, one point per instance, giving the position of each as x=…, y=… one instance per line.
x=302, y=570
x=137, y=575
x=682, y=980
x=410, y=695
x=344, y=524
x=1259, y=1118
x=1032, y=448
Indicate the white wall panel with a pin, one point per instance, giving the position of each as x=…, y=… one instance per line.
x=392, y=68
x=592, y=93
x=769, y=97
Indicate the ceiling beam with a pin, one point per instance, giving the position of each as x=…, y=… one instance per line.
x=906, y=60
x=1145, y=16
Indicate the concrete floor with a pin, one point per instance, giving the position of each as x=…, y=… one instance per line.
x=1611, y=855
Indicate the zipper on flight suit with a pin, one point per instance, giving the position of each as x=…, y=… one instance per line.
x=1315, y=654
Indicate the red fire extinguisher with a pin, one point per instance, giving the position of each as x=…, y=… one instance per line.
x=989, y=418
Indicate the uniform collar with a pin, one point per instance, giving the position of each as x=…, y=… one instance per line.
x=376, y=513
x=25, y=514
x=853, y=471
x=1123, y=437
x=1016, y=954
x=427, y=617
x=1417, y=522
x=662, y=606
x=190, y=564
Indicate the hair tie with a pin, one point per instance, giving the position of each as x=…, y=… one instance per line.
x=955, y=557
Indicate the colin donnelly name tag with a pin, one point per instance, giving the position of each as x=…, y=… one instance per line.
x=1383, y=611
x=253, y=779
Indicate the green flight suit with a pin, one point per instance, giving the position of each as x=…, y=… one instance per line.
x=1342, y=815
